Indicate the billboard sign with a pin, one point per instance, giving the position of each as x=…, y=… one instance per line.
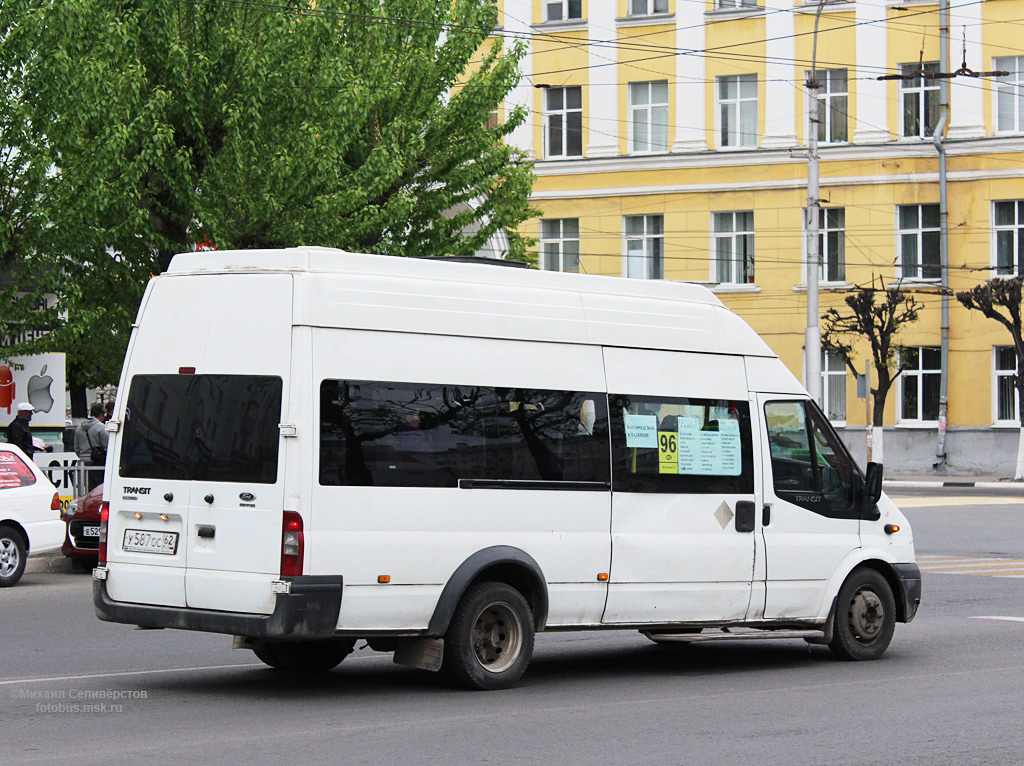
x=39, y=380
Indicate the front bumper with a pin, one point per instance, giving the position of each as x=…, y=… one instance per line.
x=910, y=587
x=309, y=611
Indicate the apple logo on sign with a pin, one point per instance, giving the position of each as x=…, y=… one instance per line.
x=39, y=391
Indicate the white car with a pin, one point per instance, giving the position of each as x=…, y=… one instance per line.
x=29, y=513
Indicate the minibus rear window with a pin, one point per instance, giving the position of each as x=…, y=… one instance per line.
x=662, y=444
x=427, y=435
x=221, y=428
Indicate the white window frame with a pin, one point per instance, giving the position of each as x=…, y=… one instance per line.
x=925, y=92
x=643, y=254
x=730, y=5
x=651, y=7
x=1015, y=232
x=833, y=380
x=918, y=374
x=738, y=259
x=732, y=111
x=834, y=105
x=644, y=114
x=1009, y=88
x=997, y=375
x=568, y=234
x=826, y=252
x=918, y=232
x=564, y=9
x=564, y=112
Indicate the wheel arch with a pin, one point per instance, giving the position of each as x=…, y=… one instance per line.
x=904, y=609
x=20, y=530
x=499, y=563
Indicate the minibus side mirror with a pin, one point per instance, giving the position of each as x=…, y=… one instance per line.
x=872, y=492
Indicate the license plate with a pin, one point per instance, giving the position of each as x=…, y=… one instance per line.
x=90, y=531
x=142, y=541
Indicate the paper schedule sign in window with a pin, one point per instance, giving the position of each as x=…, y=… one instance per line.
x=689, y=449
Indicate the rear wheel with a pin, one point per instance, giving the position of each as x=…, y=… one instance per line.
x=13, y=556
x=865, y=617
x=304, y=656
x=489, y=642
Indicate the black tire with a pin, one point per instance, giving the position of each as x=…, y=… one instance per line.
x=13, y=556
x=83, y=565
x=865, y=617
x=304, y=656
x=489, y=641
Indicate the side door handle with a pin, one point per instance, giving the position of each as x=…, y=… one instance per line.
x=745, y=510
x=766, y=515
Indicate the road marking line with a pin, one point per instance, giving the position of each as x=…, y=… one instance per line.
x=1008, y=619
x=972, y=565
x=50, y=679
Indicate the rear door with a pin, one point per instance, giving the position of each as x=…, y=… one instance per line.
x=196, y=500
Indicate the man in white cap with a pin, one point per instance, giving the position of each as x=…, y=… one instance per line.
x=18, y=432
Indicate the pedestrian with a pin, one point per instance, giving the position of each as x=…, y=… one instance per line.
x=20, y=434
x=108, y=409
x=91, y=444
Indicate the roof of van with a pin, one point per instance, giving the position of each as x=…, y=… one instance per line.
x=336, y=288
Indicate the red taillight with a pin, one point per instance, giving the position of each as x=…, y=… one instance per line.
x=55, y=503
x=292, y=544
x=104, y=518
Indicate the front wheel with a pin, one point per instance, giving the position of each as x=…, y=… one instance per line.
x=865, y=617
x=489, y=642
x=13, y=556
x=304, y=656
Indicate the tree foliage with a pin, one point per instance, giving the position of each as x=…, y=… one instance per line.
x=875, y=315
x=140, y=128
x=999, y=299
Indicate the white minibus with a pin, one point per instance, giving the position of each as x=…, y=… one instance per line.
x=313, y=447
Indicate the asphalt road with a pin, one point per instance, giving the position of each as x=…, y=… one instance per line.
x=949, y=691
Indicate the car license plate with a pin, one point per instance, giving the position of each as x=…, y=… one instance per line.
x=142, y=541
x=91, y=531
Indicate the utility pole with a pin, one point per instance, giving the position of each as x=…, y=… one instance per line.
x=812, y=333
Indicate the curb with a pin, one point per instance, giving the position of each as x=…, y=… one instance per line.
x=1013, y=487
x=48, y=562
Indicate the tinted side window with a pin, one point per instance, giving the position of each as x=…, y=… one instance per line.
x=428, y=435
x=202, y=428
x=809, y=462
x=681, y=445
x=14, y=472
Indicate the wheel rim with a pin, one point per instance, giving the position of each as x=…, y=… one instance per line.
x=10, y=557
x=497, y=637
x=867, y=616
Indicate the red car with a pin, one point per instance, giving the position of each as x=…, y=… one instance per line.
x=82, y=538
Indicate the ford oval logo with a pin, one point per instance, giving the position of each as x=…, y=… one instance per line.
x=247, y=497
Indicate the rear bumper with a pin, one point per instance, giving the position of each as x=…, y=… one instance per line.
x=309, y=611
x=910, y=585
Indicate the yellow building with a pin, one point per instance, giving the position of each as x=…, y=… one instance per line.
x=670, y=139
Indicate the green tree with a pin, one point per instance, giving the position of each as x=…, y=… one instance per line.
x=875, y=315
x=358, y=124
x=1000, y=299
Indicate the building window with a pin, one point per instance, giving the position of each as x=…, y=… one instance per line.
x=645, y=246
x=647, y=7
x=1009, y=222
x=648, y=116
x=560, y=10
x=1007, y=408
x=833, y=386
x=919, y=242
x=733, y=237
x=560, y=244
x=563, y=122
x=833, y=99
x=919, y=100
x=727, y=4
x=919, y=384
x=832, y=244
x=1010, y=95
x=737, y=110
